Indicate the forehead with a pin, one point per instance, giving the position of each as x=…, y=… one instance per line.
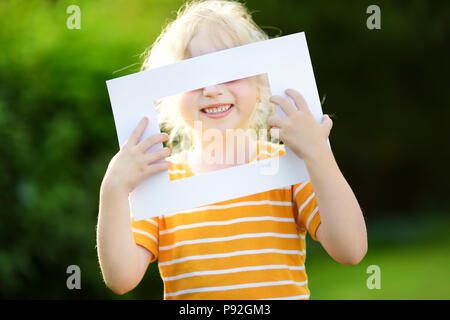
x=208, y=41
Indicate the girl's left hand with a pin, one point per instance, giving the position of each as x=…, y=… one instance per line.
x=299, y=130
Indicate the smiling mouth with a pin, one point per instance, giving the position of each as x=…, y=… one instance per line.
x=217, y=109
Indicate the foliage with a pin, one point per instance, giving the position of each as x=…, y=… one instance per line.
x=386, y=89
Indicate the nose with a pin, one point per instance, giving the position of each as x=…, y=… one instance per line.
x=212, y=91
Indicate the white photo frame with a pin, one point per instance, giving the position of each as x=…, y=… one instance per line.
x=286, y=62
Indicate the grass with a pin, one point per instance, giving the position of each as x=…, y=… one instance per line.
x=419, y=272
x=413, y=265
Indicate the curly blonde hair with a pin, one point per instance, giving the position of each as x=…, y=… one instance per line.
x=172, y=45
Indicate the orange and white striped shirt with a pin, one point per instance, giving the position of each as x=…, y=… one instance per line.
x=251, y=247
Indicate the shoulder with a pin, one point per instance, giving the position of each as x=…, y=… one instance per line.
x=179, y=168
x=178, y=158
x=267, y=149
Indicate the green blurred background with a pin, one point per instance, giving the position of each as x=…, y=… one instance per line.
x=387, y=90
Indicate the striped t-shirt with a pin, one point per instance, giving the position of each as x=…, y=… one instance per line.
x=251, y=247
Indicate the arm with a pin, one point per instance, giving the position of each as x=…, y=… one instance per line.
x=342, y=231
x=122, y=261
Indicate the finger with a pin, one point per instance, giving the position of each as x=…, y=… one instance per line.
x=284, y=104
x=327, y=124
x=150, y=141
x=275, y=121
x=137, y=133
x=300, y=102
x=157, y=167
x=156, y=155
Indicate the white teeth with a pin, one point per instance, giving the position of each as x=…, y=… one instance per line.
x=217, y=110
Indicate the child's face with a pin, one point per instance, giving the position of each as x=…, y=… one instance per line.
x=239, y=96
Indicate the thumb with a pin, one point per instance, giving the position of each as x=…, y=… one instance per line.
x=327, y=124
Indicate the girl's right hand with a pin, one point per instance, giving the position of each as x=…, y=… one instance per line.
x=132, y=164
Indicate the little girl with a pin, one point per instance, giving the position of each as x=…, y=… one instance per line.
x=252, y=247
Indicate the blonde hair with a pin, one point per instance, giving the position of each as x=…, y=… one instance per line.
x=172, y=45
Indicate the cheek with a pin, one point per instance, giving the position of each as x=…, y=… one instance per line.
x=247, y=95
x=187, y=105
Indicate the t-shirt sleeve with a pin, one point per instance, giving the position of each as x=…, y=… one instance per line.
x=145, y=233
x=306, y=212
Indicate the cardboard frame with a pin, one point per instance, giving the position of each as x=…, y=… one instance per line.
x=287, y=63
